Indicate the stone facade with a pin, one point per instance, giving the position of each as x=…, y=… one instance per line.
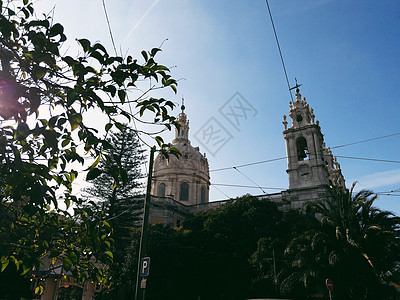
x=311, y=167
x=185, y=179
x=181, y=186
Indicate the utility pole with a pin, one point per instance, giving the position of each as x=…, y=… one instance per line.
x=139, y=292
x=275, y=277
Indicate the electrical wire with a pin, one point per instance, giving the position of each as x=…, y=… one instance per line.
x=370, y=159
x=250, y=180
x=335, y=147
x=279, y=48
x=221, y=192
x=115, y=50
x=249, y=164
x=236, y=185
x=247, y=186
x=364, y=141
x=109, y=27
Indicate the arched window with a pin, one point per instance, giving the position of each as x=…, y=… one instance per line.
x=161, y=190
x=184, y=192
x=203, y=195
x=302, y=149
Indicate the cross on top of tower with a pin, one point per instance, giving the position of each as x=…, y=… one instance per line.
x=183, y=105
x=296, y=87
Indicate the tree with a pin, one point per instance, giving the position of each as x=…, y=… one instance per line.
x=118, y=188
x=211, y=255
x=351, y=242
x=44, y=96
x=120, y=197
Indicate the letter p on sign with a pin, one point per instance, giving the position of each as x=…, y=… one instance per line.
x=145, y=267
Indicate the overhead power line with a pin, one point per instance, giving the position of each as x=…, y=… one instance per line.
x=249, y=164
x=250, y=179
x=370, y=159
x=335, y=147
x=279, y=49
x=247, y=186
x=368, y=140
x=109, y=27
x=221, y=191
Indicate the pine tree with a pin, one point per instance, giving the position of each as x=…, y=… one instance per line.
x=120, y=196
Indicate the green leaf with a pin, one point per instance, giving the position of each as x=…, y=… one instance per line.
x=38, y=72
x=71, y=97
x=22, y=131
x=4, y=265
x=25, y=270
x=75, y=120
x=126, y=115
x=96, y=162
x=16, y=262
x=97, y=55
x=39, y=290
x=93, y=173
x=154, y=51
x=173, y=87
x=100, y=47
x=175, y=151
x=67, y=263
x=122, y=95
x=119, y=126
x=85, y=44
x=37, y=23
x=65, y=142
x=111, y=89
x=146, y=58
x=109, y=253
x=108, y=127
x=26, y=12
x=106, y=145
x=56, y=30
x=159, y=140
x=10, y=11
x=34, y=99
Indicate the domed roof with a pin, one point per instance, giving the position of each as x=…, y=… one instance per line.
x=190, y=161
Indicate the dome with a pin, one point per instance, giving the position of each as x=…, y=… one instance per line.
x=185, y=178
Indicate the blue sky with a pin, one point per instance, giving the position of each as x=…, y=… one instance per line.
x=345, y=53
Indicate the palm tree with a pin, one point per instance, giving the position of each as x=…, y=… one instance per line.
x=350, y=241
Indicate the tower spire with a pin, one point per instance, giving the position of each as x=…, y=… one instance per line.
x=296, y=86
x=183, y=105
x=182, y=134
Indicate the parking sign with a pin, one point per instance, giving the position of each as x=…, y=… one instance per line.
x=145, y=267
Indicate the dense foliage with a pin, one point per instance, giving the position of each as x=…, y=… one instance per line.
x=227, y=253
x=351, y=242
x=44, y=98
x=247, y=248
x=120, y=198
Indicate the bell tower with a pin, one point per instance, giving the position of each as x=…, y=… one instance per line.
x=306, y=165
x=311, y=167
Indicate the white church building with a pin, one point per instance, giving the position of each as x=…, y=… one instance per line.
x=180, y=186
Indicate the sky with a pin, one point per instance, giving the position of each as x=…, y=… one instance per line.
x=345, y=53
